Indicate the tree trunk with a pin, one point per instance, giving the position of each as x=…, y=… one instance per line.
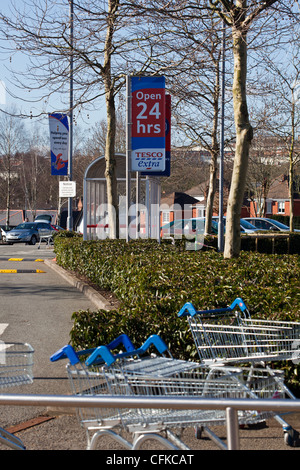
x=214, y=157
x=110, y=169
x=244, y=134
x=291, y=167
x=211, y=194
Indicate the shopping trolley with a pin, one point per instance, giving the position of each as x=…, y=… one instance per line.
x=134, y=372
x=16, y=368
x=230, y=336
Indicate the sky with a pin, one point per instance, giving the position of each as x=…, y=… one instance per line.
x=22, y=99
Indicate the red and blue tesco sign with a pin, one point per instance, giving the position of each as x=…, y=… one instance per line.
x=148, y=129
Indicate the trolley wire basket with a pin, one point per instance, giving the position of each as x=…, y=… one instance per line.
x=131, y=374
x=16, y=369
x=230, y=336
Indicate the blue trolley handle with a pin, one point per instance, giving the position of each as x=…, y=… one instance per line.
x=189, y=309
x=68, y=352
x=103, y=353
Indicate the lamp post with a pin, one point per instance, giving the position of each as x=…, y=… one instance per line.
x=221, y=175
x=70, y=200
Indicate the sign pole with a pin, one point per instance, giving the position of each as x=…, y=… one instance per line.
x=128, y=155
x=70, y=200
x=221, y=175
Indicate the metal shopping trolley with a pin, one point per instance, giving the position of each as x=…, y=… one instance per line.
x=230, y=336
x=16, y=368
x=134, y=372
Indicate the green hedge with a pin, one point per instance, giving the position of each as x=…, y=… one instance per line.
x=153, y=281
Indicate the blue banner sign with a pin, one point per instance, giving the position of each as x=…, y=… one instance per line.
x=59, y=143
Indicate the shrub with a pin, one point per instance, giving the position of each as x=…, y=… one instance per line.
x=152, y=281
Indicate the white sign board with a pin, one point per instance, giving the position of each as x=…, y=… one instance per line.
x=67, y=189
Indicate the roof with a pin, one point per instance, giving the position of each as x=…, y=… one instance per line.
x=179, y=198
x=279, y=188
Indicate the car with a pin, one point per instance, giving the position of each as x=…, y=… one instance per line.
x=263, y=223
x=28, y=232
x=245, y=227
x=188, y=227
x=4, y=229
x=185, y=227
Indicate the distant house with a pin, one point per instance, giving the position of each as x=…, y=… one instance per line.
x=278, y=202
x=200, y=192
x=177, y=206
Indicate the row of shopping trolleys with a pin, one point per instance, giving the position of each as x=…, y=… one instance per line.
x=226, y=340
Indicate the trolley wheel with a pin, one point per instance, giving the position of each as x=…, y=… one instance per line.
x=198, y=432
x=291, y=437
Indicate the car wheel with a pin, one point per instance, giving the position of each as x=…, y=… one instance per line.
x=33, y=240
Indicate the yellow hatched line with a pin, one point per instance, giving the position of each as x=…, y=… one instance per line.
x=23, y=259
x=15, y=271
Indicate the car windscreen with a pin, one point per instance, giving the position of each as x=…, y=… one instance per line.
x=26, y=226
x=246, y=224
x=278, y=224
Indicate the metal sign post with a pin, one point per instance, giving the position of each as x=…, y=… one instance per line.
x=221, y=175
x=70, y=200
x=128, y=155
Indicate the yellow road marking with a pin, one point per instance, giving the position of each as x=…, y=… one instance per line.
x=15, y=271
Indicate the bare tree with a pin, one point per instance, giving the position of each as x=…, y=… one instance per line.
x=263, y=167
x=282, y=100
x=197, y=94
x=12, y=141
x=107, y=37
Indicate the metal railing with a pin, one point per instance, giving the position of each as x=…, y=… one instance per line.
x=231, y=406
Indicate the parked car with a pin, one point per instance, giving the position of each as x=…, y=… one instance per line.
x=185, y=227
x=4, y=229
x=262, y=223
x=189, y=227
x=246, y=227
x=28, y=232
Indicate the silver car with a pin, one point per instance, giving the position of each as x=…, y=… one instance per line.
x=245, y=226
x=263, y=223
x=28, y=232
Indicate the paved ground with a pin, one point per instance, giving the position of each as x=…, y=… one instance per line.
x=63, y=432
x=60, y=430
